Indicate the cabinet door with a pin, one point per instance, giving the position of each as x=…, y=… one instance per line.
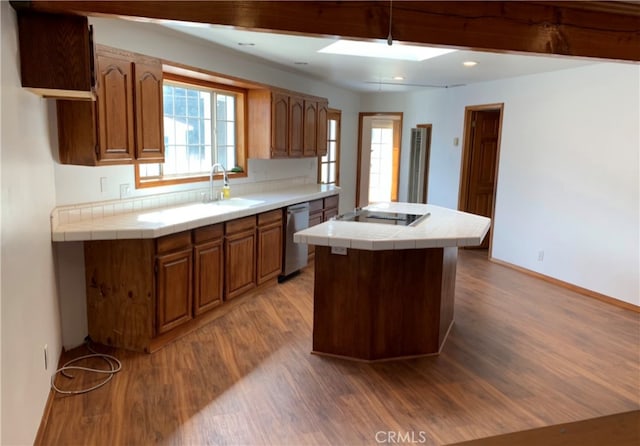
x=55, y=54
x=323, y=115
x=310, y=131
x=173, y=290
x=279, y=125
x=328, y=214
x=330, y=207
x=208, y=278
x=269, y=251
x=115, y=109
x=296, y=114
x=149, y=112
x=314, y=219
x=240, y=263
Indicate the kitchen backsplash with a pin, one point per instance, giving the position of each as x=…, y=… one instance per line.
x=101, y=209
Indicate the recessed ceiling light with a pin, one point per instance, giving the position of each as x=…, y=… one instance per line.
x=383, y=51
x=246, y=44
x=470, y=63
x=398, y=78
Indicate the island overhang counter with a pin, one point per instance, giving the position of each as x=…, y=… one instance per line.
x=383, y=290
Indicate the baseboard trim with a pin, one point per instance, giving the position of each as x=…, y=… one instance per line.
x=578, y=289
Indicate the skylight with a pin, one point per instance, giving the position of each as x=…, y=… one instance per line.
x=381, y=50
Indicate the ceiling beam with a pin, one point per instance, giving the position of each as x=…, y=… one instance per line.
x=608, y=30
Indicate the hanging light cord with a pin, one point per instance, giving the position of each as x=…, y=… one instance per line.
x=389, y=38
x=114, y=366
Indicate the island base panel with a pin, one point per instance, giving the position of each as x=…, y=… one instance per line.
x=373, y=305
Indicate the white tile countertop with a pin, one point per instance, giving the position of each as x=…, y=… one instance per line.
x=442, y=228
x=152, y=223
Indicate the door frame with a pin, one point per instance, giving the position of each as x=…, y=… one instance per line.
x=465, y=162
x=361, y=117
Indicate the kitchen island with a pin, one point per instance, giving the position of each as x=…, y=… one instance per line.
x=384, y=285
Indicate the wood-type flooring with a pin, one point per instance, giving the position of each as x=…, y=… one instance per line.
x=522, y=354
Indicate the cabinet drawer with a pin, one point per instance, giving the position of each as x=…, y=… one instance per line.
x=270, y=217
x=315, y=206
x=173, y=242
x=239, y=225
x=328, y=214
x=331, y=202
x=207, y=233
x=315, y=219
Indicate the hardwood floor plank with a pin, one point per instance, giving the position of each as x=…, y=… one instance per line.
x=522, y=354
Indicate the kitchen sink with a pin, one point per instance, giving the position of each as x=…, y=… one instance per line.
x=236, y=202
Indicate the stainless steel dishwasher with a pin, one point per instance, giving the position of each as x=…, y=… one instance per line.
x=295, y=254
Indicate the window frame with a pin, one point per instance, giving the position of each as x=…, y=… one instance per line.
x=241, y=133
x=333, y=114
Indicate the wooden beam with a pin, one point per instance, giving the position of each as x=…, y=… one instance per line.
x=609, y=30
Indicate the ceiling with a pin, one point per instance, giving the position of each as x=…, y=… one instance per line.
x=364, y=74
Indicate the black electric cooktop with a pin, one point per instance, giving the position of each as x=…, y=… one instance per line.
x=390, y=218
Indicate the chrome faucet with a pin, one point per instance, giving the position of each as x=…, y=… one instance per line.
x=225, y=181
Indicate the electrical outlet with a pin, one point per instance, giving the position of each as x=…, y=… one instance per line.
x=46, y=357
x=125, y=190
x=540, y=256
x=103, y=185
x=340, y=250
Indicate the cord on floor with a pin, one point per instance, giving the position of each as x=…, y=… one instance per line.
x=114, y=366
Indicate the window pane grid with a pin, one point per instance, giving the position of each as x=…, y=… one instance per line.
x=328, y=164
x=200, y=129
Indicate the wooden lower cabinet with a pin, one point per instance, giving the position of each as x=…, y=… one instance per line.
x=314, y=219
x=208, y=268
x=173, y=285
x=320, y=211
x=120, y=286
x=270, y=239
x=240, y=256
x=330, y=208
x=143, y=293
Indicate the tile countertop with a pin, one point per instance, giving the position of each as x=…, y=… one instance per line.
x=443, y=228
x=152, y=223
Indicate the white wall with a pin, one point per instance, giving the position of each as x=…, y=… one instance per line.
x=30, y=314
x=568, y=171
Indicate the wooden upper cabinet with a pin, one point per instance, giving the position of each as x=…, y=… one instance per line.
x=124, y=124
x=279, y=125
x=310, y=128
x=115, y=109
x=148, y=99
x=56, y=54
x=283, y=124
x=296, y=117
x=323, y=116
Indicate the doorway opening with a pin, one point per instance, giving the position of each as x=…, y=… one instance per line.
x=419, y=160
x=378, y=173
x=479, y=167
